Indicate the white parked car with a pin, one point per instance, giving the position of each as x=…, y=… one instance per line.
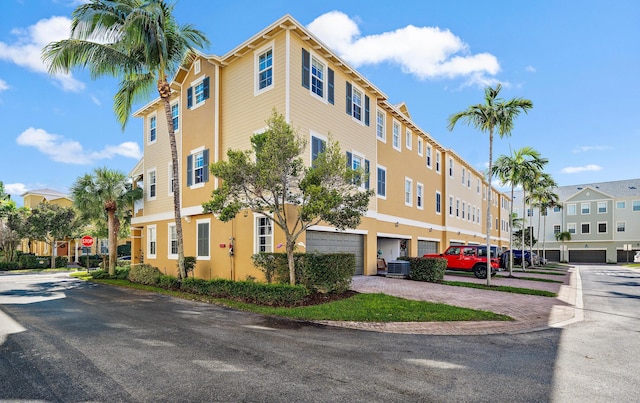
x=636, y=258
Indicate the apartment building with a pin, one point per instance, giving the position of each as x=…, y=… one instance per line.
x=603, y=220
x=426, y=196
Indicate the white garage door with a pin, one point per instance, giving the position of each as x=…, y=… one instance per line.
x=331, y=242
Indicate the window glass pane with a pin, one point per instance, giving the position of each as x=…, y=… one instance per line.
x=317, y=77
x=199, y=91
x=198, y=168
x=174, y=116
x=265, y=71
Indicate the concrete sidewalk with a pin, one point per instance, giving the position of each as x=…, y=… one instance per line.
x=530, y=313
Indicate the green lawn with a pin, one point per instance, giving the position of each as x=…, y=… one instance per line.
x=358, y=308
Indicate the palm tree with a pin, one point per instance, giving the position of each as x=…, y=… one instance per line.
x=544, y=198
x=105, y=193
x=494, y=115
x=140, y=42
x=561, y=237
x=511, y=169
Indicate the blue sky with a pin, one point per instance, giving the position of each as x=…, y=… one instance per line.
x=578, y=61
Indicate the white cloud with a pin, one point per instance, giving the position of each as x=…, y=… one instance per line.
x=583, y=149
x=26, y=50
x=95, y=100
x=68, y=151
x=3, y=85
x=425, y=52
x=530, y=69
x=16, y=189
x=586, y=168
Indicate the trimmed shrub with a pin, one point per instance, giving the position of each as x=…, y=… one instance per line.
x=31, y=261
x=328, y=273
x=426, y=269
x=99, y=274
x=94, y=260
x=61, y=261
x=5, y=266
x=275, y=266
x=144, y=274
x=169, y=282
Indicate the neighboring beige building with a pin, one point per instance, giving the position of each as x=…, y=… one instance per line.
x=426, y=198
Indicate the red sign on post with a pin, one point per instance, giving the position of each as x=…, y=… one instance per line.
x=87, y=241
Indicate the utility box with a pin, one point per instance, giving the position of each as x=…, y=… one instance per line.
x=398, y=268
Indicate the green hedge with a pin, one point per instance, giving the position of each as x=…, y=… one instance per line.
x=5, y=266
x=122, y=273
x=247, y=291
x=144, y=274
x=319, y=272
x=426, y=269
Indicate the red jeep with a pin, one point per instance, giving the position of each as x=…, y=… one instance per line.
x=471, y=258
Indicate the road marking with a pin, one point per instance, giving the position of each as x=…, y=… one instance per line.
x=217, y=366
x=434, y=363
x=259, y=327
x=189, y=312
x=8, y=326
x=155, y=343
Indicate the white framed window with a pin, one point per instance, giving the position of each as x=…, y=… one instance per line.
x=620, y=204
x=175, y=116
x=318, y=78
x=198, y=92
x=408, y=139
x=196, y=67
x=380, y=132
x=438, y=202
x=171, y=179
x=408, y=192
x=318, y=145
x=357, y=98
x=464, y=174
x=571, y=228
x=585, y=228
x=419, y=195
x=635, y=205
x=396, y=135
x=457, y=207
x=151, y=241
x=419, y=145
x=602, y=227
x=438, y=158
x=264, y=68
x=585, y=208
x=203, y=235
x=478, y=185
x=602, y=207
x=381, y=188
x=451, y=206
x=621, y=226
x=571, y=209
x=172, y=241
x=428, y=152
x=151, y=184
x=450, y=167
x=556, y=229
x=464, y=208
x=263, y=234
x=198, y=167
x=153, y=129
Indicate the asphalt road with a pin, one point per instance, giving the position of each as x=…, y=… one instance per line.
x=599, y=357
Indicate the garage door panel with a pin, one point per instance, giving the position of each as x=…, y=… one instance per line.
x=588, y=256
x=328, y=242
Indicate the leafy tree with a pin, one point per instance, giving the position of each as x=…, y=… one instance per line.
x=50, y=223
x=272, y=179
x=511, y=169
x=106, y=196
x=562, y=237
x=13, y=230
x=140, y=42
x=494, y=115
x=529, y=239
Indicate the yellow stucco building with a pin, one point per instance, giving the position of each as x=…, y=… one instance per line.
x=426, y=196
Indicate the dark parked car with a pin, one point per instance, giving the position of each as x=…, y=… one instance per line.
x=517, y=258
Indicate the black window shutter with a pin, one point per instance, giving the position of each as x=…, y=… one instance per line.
x=366, y=110
x=189, y=97
x=205, y=169
x=349, y=98
x=366, y=172
x=306, y=64
x=205, y=88
x=190, y=169
x=330, y=86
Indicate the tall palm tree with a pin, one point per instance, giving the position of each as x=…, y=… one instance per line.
x=535, y=182
x=561, y=237
x=140, y=42
x=511, y=169
x=105, y=193
x=494, y=115
x=544, y=198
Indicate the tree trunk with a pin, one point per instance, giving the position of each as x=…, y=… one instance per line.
x=165, y=92
x=525, y=214
x=488, y=217
x=290, y=260
x=511, y=233
x=111, y=215
x=53, y=254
